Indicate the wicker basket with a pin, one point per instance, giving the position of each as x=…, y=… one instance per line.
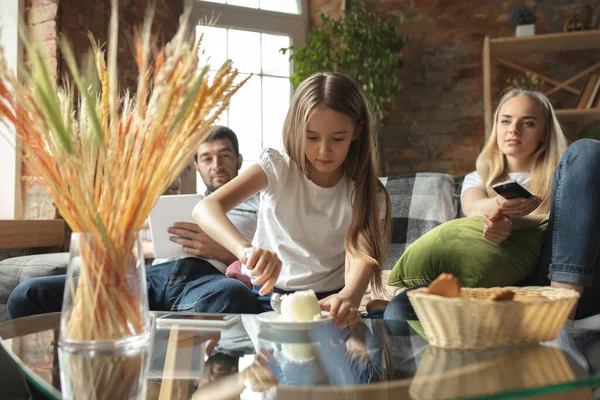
x=471, y=321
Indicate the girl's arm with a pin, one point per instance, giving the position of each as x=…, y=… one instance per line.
x=343, y=306
x=210, y=215
x=211, y=212
x=356, y=280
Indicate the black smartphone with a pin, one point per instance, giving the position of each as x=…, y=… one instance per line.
x=512, y=190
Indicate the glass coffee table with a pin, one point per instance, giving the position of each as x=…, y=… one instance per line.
x=375, y=359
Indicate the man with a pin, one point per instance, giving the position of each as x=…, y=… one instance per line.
x=195, y=283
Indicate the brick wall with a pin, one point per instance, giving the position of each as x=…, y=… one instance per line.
x=334, y=8
x=46, y=19
x=437, y=122
x=41, y=17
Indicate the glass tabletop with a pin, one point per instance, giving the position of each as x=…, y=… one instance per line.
x=253, y=359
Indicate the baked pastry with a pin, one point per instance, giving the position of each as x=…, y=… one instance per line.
x=502, y=295
x=445, y=285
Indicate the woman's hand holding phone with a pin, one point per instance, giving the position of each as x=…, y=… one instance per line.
x=518, y=207
x=265, y=266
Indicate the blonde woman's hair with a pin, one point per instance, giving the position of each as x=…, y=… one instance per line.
x=367, y=237
x=491, y=163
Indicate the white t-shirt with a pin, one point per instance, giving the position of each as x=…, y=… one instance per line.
x=305, y=224
x=473, y=180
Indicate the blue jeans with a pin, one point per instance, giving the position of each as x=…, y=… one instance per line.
x=187, y=284
x=571, y=249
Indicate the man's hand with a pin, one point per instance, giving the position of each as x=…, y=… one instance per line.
x=197, y=243
x=497, y=227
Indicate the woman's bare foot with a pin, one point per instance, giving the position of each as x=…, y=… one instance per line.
x=562, y=285
x=376, y=305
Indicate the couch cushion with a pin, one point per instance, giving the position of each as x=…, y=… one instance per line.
x=420, y=202
x=20, y=269
x=458, y=247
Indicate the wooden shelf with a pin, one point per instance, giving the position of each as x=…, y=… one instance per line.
x=499, y=49
x=578, y=114
x=551, y=42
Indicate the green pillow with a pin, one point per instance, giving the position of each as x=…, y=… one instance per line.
x=458, y=247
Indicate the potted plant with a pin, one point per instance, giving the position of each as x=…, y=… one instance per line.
x=523, y=19
x=360, y=45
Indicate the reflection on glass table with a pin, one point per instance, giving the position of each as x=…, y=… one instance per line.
x=373, y=360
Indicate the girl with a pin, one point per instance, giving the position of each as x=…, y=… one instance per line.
x=526, y=145
x=320, y=218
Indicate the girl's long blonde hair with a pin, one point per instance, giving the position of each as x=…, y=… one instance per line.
x=367, y=237
x=491, y=163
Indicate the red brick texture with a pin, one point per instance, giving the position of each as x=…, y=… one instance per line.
x=46, y=19
x=437, y=121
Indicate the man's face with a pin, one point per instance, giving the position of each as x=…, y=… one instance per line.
x=217, y=163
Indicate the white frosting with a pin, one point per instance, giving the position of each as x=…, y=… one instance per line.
x=300, y=306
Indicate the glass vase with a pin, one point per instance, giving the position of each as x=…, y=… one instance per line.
x=105, y=303
x=105, y=326
x=104, y=375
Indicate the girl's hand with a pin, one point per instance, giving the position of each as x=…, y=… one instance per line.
x=497, y=227
x=341, y=309
x=265, y=266
x=517, y=207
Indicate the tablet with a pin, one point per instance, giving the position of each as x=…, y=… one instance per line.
x=167, y=211
x=200, y=319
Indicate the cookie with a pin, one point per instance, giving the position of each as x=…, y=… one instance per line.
x=502, y=295
x=445, y=285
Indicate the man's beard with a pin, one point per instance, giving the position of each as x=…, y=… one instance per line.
x=212, y=188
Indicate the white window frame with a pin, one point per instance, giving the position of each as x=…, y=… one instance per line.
x=11, y=206
x=250, y=19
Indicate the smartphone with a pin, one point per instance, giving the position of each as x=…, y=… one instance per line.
x=199, y=319
x=512, y=190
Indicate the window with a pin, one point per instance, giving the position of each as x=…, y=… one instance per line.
x=284, y=6
x=250, y=33
x=10, y=160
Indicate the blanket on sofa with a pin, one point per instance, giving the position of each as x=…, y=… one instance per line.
x=420, y=202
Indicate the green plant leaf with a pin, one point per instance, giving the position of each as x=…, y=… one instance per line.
x=359, y=45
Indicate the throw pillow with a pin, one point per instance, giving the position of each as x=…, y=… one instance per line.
x=458, y=247
x=420, y=202
x=235, y=271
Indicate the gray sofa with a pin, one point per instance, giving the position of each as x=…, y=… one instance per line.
x=20, y=269
x=420, y=202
